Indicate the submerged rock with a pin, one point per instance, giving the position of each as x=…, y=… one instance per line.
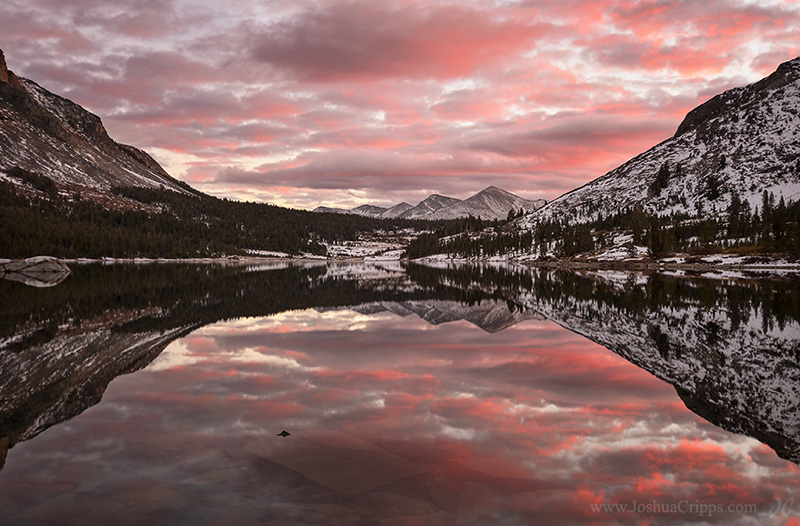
x=38, y=271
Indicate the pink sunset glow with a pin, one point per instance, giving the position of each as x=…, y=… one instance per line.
x=346, y=102
x=532, y=424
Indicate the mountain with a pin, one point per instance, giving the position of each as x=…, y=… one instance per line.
x=369, y=210
x=744, y=141
x=331, y=210
x=397, y=210
x=489, y=203
x=49, y=135
x=429, y=205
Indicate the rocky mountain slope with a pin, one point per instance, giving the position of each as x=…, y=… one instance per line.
x=745, y=140
x=49, y=135
x=397, y=210
x=490, y=203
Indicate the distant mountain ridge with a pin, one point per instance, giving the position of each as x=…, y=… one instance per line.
x=490, y=203
x=46, y=134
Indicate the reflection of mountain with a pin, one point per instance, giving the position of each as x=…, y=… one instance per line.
x=730, y=348
x=52, y=382
x=490, y=315
x=61, y=347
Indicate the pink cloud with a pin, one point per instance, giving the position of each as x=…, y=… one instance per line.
x=368, y=41
x=536, y=97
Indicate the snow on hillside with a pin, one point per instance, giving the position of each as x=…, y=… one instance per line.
x=745, y=140
x=428, y=206
x=396, y=210
x=46, y=134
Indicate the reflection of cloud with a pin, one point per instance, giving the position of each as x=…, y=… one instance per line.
x=490, y=424
x=263, y=356
x=176, y=354
x=458, y=433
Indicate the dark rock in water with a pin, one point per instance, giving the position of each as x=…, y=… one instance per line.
x=39, y=271
x=284, y=433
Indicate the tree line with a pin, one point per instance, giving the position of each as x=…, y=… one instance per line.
x=40, y=218
x=742, y=229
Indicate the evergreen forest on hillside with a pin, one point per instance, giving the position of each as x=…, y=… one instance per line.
x=774, y=230
x=39, y=218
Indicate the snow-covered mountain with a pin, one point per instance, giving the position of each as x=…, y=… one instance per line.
x=49, y=135
x=490, y=203
x=745, y=140
x=397, y=210
x=429, y=205
x=369, y=210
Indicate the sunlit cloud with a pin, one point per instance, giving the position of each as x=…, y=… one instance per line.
x=347, y=102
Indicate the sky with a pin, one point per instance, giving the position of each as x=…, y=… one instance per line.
x=345, y=102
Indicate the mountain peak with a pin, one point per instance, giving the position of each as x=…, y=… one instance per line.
x=494, y=190
x=787, y=73
x=52, y=136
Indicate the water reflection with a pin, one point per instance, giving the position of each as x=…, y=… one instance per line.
x=438, y=396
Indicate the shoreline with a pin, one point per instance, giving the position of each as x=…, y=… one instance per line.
x=560, y=264
x=656, y=265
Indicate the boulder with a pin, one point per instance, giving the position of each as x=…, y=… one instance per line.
x=39, y=271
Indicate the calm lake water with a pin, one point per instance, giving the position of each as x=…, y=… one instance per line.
x=153, y=394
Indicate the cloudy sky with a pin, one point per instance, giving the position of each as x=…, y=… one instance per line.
x=344, y=102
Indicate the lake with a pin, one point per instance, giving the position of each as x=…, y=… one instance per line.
x=155, y=394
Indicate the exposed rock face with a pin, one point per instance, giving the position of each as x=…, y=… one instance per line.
x=52, y=136
x=3, y=68
x=787, y=73
x=39, y=271
x=397, y=210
